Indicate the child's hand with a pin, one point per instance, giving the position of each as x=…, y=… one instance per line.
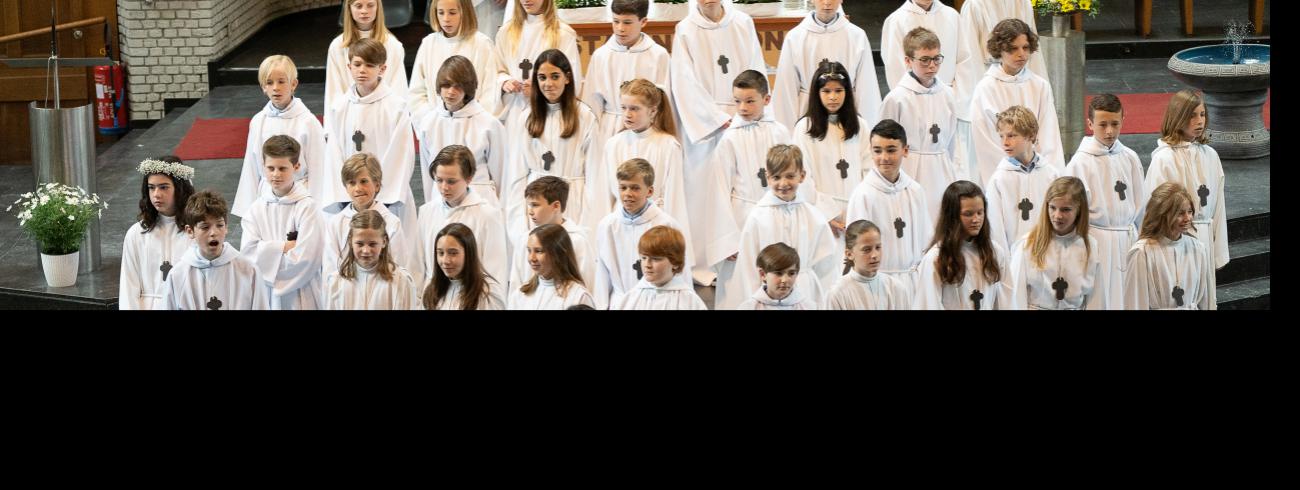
x=512, y=86
x=289, y=245
x=837, y=227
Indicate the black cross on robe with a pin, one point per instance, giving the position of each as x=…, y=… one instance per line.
x=357, y=138
x=975, y=297
x=843, y=167
x=1060, y=285
x=722, y=62
x=291, y=236
x=165, y=268
x=1025, y=206
x=1178, y=295
x=762, y=177
x=1120, y=188
x=934, y=133
x=636, y=266
x=214, y=304
x=525, y=66
x=1204, y=192
x=547, y=159
x=899, y=224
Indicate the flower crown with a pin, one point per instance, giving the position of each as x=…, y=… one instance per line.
x=178, y=170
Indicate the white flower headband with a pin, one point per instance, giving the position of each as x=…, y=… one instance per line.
x=178, y=170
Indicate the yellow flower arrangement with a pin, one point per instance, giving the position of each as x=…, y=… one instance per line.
x=1065, y=7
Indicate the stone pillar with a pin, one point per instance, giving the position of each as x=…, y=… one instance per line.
x=1065, y=61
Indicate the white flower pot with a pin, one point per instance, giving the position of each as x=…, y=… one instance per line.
x=584, y=15
x=60, y=270
x=762, y=9
x=669, y=11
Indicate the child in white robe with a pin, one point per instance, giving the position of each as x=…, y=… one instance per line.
x=1168, y=268
x=368, y=278
x=863, y=287
x=460, y=120
x=780, y=289
x=553, y=137
x=283, y=114
x=629, y=54
x=490, y=14
x=964, y=269
x=363, y=177
x=545, y=198
x=650, y=135
x=825, y=34
x=555, y=284
x=460, y=282
x=1020, y=179
x=1056, y=266
x=371, y=119
x=154, y=245
x=211, y=275
x=665, y=284
x=1112, y=174
x=1006, y=84
x=362, y=19
x=618, y=266
x=283, y=235
x=455, y=33
x=457, y=202
x=931, y=15
x=783, y=215
x=520, y=42
x=926, y=109
x=1183, y=155
x=828, y=136
x=888, y=195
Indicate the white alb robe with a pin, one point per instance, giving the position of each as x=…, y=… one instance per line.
x=804, y=48
x=292, y=279
x=385, y=133
x=978, y=17
x=403, y=243
x=613, y=65
x=474, y=128
x=617, y=256
x=665, y=155
x=900, y=210
x=228, y=282
x=942, y=20
x=583, y=253
x=369, y=291
x=1116, y=197
x=422, y=93
x=495, y=299
x=1067, y=260
x=798, y=224
x=760, y=300
x=297, y=122
x=569, y=158
x=1157, y=269
x=932, y=293
x=520, y=59
x=740, y=164
x=1198, y=168
x=547, y=297
x=676, y=295
x=855, y=291
x=338, y=79
x=481, y=218
x=147, y=259
x=822, y=159
x=996, y=93
x=931, y=158
x=1009, y=191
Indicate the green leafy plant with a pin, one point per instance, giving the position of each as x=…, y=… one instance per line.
x=56, y=216
x=577, y=4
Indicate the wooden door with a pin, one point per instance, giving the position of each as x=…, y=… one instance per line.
x=20, y=86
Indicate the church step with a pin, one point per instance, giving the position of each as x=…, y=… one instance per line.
x=1248, y=295
x=18, y=299
x=1249, y=260
x=1248, y=227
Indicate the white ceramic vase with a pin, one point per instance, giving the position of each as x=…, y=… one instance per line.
x=60, y=270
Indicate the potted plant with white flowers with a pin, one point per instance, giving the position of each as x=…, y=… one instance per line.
x=55, y=216
x=582, y=11
x=760, y=8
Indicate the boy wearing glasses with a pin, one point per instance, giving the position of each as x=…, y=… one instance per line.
x=930, y=14
x=925, y=108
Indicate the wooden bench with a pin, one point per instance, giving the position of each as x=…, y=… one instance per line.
x=1142, y=16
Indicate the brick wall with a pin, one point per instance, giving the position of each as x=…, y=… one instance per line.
x=167, y=44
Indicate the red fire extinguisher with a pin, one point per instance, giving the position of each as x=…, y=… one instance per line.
x=110, y=99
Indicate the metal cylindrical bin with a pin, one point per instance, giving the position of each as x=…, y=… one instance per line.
x=63, y=151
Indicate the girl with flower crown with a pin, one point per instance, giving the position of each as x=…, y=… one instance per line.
x=155, y=243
